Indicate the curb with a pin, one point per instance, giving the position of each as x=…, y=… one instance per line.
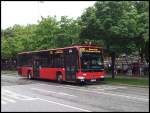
x=130, y=85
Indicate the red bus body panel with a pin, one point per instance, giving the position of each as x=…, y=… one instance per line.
x=91, y=75
x=45, y=73
x=50, y=73
x=24, y=71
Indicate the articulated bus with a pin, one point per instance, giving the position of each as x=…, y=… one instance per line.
x=80, y=63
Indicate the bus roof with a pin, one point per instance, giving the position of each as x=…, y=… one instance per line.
x=74, y=46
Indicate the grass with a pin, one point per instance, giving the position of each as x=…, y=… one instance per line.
x=127, y=81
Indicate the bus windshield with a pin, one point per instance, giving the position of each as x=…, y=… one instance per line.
x=91, y=61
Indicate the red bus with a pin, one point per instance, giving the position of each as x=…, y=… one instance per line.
x=73, y=64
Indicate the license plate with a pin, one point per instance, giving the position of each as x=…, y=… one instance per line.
x=93, y=80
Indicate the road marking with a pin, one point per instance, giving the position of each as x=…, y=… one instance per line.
x=106, y=86
x=65, y=105
x=127, y=96
x=95, y=91
x=9, y=96
x=112, y=87
x=9, y=100
x=41, y=84
x=102, y=87
x=3, y=102
x=15, y=95
x=60, y=93
x=120, y=95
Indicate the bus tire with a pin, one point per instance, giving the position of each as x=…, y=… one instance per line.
x=59, y=78
x=82, y=83
x=29, y=76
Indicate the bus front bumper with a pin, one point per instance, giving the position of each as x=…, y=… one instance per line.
x=82, y=79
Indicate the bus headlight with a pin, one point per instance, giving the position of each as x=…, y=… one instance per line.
x=101, y=76
x=84, y=74
x=80, y=77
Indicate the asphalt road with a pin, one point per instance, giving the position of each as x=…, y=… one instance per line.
x=21, y=94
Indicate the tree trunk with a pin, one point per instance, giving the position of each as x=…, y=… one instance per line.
x=141, y=55
x=146, y=51
x=113, y=57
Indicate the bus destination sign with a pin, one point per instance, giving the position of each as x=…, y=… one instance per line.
x=89, y=50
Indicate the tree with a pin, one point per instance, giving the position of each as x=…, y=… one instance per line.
x=45, y=33
x=5, y=49
x=48, y=33
x=142, y=34
x=18, y=40
x=69, y=30
x=115, y=23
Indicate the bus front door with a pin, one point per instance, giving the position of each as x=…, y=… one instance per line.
x=70, y=64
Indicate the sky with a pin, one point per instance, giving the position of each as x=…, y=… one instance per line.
x=28, y=12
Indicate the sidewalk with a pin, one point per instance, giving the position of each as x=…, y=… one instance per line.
x=13, y=72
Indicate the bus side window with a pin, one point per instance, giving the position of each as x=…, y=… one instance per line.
x=59, y=60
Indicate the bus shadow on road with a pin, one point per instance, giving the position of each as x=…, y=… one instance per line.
x=69, y=83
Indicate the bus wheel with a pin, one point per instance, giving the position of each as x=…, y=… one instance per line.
x=82, y=83
x=59, y=78
x=29, y=76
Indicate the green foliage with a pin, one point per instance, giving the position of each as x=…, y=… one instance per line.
x=5, y=48
x=45, y=33
x=122, y=26
x=119, y=26
x=69, y=30
x=48, y=33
